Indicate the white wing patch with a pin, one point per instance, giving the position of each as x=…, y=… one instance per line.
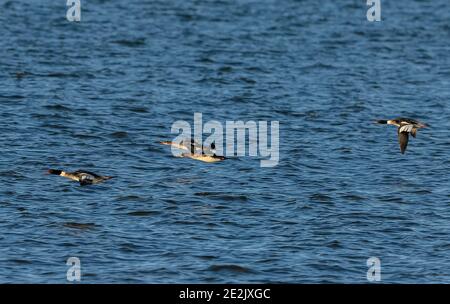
x=406, y=128
x=86, y=177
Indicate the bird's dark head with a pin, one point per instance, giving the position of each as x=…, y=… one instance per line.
x=56, y=172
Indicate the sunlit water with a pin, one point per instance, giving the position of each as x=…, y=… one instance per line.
x=98, y=95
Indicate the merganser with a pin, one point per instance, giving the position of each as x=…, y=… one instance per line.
x=405, y=126
x=197, y=152
x=83, y=177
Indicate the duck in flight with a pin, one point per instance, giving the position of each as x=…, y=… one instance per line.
x=405, y=126
x=196, y=151
x=83, y=177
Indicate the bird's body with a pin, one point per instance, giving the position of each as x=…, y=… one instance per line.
x=405, y=127
x=204, y=158
x=81, y=176
x=196, y=151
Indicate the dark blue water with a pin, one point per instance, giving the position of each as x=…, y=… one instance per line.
x=99, y=94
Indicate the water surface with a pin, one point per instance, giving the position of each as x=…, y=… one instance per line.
x=99, y=94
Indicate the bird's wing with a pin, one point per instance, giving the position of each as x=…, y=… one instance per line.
x=414, y=132
x=192, y=146
x=86, y=172
x=403, y=138
x=86, y=180
x=188, y=145
x=196, y=147
x=406, y=128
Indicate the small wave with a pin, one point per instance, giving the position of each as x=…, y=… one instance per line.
x=13, y=96
x=390, y=199
x=225, y=69
x=85, y=136
x=334, y=244
x=21, y=262
x=353, y=197
x=12, y=173
x=138, y=110
x=142, y=213
x=230, y=268
x=247, y=80
x=318, y=66
x=206, y=60
x=322, y=198
x=206, y=257
x=82, y=226
x=62, y=75
x=58, y=107
x=223, y=196
x=119, y=134
x=131, y=42
x=130, y=198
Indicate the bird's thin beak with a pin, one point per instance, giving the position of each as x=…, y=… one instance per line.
x=381, y=122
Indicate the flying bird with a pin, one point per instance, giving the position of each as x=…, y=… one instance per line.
x=81, y=176
x=196, y=151
x=405, y=126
